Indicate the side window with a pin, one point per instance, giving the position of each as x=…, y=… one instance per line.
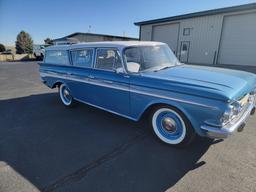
x=82, y=58
x=107, y=59
x=58, y=57
x=132, y=59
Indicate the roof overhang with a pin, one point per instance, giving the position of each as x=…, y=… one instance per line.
x=200, y=14
x=93, y=34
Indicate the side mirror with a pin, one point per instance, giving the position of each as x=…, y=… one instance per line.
x=119, y=70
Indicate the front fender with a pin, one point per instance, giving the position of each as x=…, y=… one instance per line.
x=170, y=103
x=194, y=113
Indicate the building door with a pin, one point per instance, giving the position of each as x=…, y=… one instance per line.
x=238, y=40
x=168, y=34
x=184, y=51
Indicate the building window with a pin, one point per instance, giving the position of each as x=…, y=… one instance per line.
x=186, y=31
x=184, y=47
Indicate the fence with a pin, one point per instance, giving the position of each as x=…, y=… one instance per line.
x=15, y=57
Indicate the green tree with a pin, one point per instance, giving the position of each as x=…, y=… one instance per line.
x=2, y=48
x=24, y=43
x=48, y=41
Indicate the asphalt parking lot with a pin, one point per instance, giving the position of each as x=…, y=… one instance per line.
x=47, y=147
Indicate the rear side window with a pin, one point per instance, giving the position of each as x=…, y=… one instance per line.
x=107, y=59
x=82, y=58
x=58, y=57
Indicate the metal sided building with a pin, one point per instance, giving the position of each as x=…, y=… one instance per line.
x=89, y=37
x=220, y=36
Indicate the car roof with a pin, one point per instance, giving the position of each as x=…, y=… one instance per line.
x=115, y=44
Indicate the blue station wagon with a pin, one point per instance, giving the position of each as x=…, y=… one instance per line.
x=138, y=79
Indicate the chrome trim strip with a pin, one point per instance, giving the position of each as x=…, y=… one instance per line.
x=92, y=82
x=171, y=98
x=128, y=117
x=43, y=74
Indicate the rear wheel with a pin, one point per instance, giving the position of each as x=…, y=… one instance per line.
x=171, y=126
x=66, y=96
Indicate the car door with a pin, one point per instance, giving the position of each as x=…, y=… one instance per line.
x=78, y=74
x=109, y=89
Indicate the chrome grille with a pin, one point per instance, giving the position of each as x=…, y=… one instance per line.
x=244, y=100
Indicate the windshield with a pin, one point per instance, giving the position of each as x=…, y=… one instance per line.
x=149, y=58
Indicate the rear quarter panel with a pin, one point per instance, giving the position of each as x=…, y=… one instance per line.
x=65, y=74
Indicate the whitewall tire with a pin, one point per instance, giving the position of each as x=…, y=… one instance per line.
x=65, y=96
x=171, y=126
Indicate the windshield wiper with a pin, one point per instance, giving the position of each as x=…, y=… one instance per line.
x=163, y=68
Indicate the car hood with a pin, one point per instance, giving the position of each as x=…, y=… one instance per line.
x=211, y=82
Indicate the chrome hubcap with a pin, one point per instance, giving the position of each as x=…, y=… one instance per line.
x=169, y=124
x=66, y=95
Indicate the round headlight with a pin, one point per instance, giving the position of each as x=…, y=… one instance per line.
x=232, y=111
x=227, y=115
x=236, y=108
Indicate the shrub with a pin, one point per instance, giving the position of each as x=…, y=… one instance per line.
x=2, y=48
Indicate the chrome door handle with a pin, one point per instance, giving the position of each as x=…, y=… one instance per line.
x=91, y=76
x=107, y=81
x=69, y=73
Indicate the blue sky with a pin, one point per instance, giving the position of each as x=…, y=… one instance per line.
x=57, y=18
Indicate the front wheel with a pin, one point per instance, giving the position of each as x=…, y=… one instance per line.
x=66, y=96
x=171, y=126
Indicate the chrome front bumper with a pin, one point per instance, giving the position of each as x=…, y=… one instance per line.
x=238, y=124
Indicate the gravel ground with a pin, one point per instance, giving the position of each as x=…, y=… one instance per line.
x=46, y=147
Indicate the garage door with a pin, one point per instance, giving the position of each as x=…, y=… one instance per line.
x=167, y=34
x=238, y=41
